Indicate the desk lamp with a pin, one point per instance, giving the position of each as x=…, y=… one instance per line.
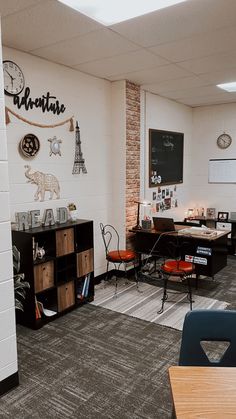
x=144, y=203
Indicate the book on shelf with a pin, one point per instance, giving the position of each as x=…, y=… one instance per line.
x=87, y=286
x=37, y=310
x=79, y=288
x=83, y=287
x=40, y=309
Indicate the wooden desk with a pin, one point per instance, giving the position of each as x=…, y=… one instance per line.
x=203, y=392
x=209, y=253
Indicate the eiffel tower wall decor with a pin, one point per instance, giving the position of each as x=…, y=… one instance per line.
x=79, y=162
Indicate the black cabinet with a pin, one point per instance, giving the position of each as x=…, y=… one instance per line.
x=63, y=278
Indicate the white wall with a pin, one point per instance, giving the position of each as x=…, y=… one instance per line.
x=208, y=123
x=89, y=100
x=164, y=114
x=8, y=353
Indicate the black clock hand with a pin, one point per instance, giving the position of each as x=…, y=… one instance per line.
x=12, y=78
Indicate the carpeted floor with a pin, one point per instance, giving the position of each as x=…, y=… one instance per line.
x=95, y=363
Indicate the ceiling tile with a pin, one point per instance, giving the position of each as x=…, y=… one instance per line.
x=218, y=77
x=133, y=61
x=194, y=92
x=211, y=63
x=175, y=84
x=92, y=46
x=178, y=22
x=154, y=75
x=46, y=23
x=198, y=46
x=207, y=100
x=11, y=6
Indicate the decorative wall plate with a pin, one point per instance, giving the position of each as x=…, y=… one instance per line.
x=29, y=145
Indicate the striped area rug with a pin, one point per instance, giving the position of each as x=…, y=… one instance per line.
x=145, y=303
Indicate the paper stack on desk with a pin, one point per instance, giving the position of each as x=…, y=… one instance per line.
x=198, y=231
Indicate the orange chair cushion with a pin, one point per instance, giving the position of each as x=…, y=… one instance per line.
x=122, y=255
x=177, y=267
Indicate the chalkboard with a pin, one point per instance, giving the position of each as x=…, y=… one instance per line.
x=222, y=171
x=165, y=157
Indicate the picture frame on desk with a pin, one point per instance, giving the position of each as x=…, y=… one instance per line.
x=210, y=213
x=223, y=216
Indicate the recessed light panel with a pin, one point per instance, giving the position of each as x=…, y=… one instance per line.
x=229, y=87
x=109, y=12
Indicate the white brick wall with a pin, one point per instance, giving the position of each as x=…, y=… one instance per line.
x=8, y=352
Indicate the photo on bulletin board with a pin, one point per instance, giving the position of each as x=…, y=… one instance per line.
x=165, y=157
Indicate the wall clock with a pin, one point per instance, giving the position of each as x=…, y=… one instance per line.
x=224, y=141
x=14, y=81
x=29, y=145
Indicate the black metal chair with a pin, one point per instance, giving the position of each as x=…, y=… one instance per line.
x=175, y=266
x=114, y=254
x=203, y=327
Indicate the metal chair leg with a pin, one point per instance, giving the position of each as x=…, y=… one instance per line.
x=116, y=287
x=190, y=292
x=116, y=283
x=165, y=295
x=136, y=278
x=126, y=277
x=106, y=277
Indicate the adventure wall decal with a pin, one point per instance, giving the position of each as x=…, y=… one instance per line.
x=46, y=102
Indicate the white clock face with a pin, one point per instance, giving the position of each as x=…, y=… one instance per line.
x=14, y=81
x=224, y=141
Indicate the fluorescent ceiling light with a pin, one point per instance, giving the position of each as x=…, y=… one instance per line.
x=229, y=87
x=109, y=12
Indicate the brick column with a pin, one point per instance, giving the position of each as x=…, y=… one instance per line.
x=132, y=155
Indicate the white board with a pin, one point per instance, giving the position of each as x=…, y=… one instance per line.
x=222, y=171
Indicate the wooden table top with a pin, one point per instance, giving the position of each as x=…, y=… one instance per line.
x=203, y=392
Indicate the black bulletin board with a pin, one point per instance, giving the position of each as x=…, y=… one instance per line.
x=165, y=157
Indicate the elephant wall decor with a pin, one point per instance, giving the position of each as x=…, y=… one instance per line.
x=45, y=182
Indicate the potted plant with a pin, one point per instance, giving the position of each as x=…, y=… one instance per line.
x=20, y=285
x=73, y=211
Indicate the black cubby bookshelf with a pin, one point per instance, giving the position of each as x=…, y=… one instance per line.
x=54, y=279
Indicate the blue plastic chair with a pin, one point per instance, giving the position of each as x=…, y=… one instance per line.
x=208, y=326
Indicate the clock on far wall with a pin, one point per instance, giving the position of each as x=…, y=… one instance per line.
x=14, y=81
x=224, y=141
